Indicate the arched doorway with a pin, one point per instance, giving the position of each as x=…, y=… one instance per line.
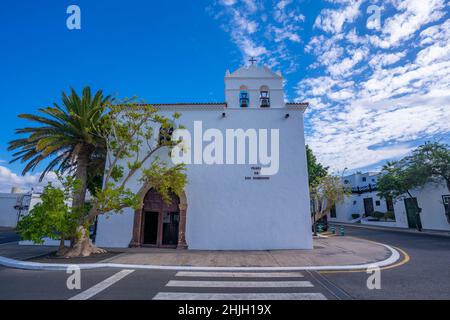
x=159, y=223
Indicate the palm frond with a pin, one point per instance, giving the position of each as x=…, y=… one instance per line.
x=61, y=131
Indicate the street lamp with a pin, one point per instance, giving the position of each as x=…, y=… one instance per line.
x=21, y=205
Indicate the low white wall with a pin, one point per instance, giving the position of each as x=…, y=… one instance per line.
x=47, y=242
x=380, y=223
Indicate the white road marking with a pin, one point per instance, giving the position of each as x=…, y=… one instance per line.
x=238, y=296
x=240, y=284
x=92, y=291
x=240, y=274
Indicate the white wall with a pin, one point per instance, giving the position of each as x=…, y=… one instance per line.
x=429, y=199
x=224, y=210
x=354, y=204
x=8, y=215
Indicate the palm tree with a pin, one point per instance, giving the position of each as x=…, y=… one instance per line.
x=67, y=136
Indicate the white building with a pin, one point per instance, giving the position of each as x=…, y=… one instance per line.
x=15, y=205
x=239, y=206
x=432, y=199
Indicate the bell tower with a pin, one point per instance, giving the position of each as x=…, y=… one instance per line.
x=254, y=87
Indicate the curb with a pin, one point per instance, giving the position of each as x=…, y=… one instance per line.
x=17, y=264
x=388, y=229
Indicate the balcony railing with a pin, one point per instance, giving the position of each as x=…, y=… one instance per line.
x=365, y=189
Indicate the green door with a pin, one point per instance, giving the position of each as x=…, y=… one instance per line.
x=411, y=206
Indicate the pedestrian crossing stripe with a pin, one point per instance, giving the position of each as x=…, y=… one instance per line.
x=272, y=280
x=200, y=274
x=239, y=296
x=240, y=284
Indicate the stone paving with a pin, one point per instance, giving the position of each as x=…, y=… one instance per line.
x=327, y=251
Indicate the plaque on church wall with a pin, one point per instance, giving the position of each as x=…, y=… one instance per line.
x=256, y=174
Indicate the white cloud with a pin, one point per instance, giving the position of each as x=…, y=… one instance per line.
x=388, y=110
x=251, y=5
x=436, y=33
x=347, y=64
x=411, y=17
x=343, y=94
x=375, y=104
x=282, y=23
x=249, y=48
x=9, y=179
x=383, y=59
x=435, y=53
x=229, y=2
x=333, y=20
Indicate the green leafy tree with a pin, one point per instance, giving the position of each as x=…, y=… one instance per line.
x=51, y=218
x=396, y=182
x=428, y=163
x=316, y=171
x=325, y=190
x=326, y=193
x=132, y=146
x=68, y=136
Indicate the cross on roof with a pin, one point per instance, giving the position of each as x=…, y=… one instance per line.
x=252, y=60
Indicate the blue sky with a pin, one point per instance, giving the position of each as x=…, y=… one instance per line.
x=376, y=91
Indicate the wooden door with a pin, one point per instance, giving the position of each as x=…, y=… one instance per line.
x=368, y=206
x=160, y=226
x=151, y=226
x=412, y=215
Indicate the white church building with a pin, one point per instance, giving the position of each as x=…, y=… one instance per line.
x=258, y=201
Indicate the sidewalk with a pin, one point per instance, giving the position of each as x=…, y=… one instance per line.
x=393, y=229
x=333, y=253
x=327, y=251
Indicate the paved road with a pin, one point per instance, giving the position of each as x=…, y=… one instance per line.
x=163, y=285
x=425, y=276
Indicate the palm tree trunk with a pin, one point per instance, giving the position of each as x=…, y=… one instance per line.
x=79, y=196
x=81, y=244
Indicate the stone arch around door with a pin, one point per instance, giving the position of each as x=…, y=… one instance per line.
x=138, y=225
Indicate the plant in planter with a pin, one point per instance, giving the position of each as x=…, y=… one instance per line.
x=355, y=216
x=375, y=216
x=390, y=215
